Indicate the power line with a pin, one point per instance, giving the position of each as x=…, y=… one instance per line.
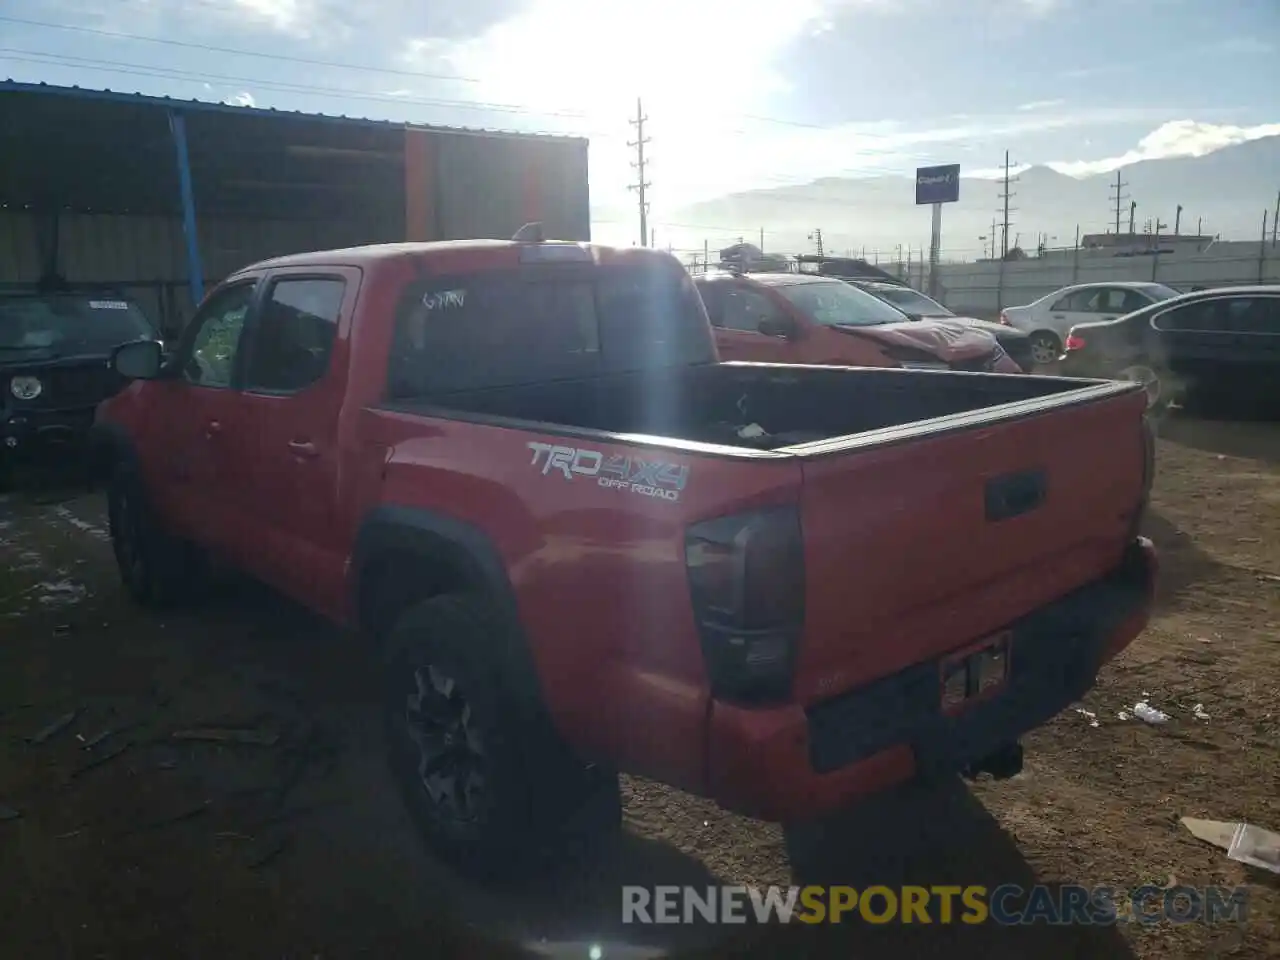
x=1118, y=199
x=641, y=186
x=210, y=48
x=170, y=73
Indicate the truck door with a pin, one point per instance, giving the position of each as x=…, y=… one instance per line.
x=293, y=403
x=200, y=469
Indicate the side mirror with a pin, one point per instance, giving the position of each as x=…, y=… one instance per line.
x=777, y=327
x=139, y=360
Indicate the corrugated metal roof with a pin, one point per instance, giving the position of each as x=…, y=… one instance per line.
x=207, y=106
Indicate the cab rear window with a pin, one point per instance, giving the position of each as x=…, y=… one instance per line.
x=498, y=329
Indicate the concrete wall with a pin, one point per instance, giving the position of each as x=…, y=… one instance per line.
x=982, y=288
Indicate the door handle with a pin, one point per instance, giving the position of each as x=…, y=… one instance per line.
x=212, y=429
x=303, y=448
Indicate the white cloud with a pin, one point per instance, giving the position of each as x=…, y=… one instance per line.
x=1040, y=105
x=244, y=99
x=1177, y=138
x=284, y=15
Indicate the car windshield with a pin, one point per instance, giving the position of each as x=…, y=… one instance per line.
x=67, y=323
x=913, y=301
x=833, y=303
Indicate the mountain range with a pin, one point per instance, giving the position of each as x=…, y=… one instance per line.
x=1224, y=193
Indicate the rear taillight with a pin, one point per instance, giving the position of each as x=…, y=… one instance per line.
x=1074, y=342
x=746, y=581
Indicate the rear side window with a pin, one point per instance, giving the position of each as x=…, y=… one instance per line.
x=494, y=329
x=1225, y=315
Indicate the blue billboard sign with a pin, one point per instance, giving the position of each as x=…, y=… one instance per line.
x=938, y=184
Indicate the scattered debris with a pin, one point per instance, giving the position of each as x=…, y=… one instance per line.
x=1256, y=847
x=61, y=593
x=1198, y=712
x=68, y=835
x=8, y=813
x=190, y=813
x=62, y=630
x=109, y=754
x=260, y=738
x=55, y=728
x=267, y=853
x=83, y=526
x=1149, y=714
x=1244, y=842
x=1123, y=714
x=1088, y=715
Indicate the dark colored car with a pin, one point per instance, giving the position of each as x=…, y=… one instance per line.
x=917, y=306
x=55, y=350
x=1221, y=341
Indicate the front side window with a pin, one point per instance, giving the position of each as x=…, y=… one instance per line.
x=215, y=344
x=834, y=303
x=294, y=333
x=743, y=309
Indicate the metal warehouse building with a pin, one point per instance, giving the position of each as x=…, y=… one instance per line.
x=160, y=198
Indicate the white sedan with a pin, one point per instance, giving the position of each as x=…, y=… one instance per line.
x=1049, y=319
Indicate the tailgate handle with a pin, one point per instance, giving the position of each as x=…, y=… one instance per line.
x=1015, y=494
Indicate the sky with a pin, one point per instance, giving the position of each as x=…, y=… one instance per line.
x=739, y=95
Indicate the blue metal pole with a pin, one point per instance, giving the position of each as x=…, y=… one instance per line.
x=195, y=271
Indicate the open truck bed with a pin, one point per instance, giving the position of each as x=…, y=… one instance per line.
x=776, y=407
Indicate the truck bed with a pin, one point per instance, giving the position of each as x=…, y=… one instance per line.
x=782, y=406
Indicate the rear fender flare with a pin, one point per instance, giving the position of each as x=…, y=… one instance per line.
x=471, y=552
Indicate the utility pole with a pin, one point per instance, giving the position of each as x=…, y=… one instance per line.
x=1177, y=222
x=816, y=237
x=1118, y=199
x=706, y=256
x=642, y=185
x=1005, y=196
x=1275, y=217
x=993, y=236
x=762, y=239
x=1133, y=208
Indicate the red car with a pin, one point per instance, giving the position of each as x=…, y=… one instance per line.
x=578, y=544
x=802, y=318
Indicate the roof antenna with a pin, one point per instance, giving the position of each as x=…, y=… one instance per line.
x=529, y=233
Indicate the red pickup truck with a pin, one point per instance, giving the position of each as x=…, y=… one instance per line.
x=582, y=545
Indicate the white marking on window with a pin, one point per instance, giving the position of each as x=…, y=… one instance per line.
x=444, y=299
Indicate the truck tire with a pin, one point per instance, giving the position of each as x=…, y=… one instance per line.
x=158, y=569
x=493, y=791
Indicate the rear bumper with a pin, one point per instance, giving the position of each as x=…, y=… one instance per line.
x=795, y=763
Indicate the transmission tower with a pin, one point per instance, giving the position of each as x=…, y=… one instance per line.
x=1005, y=196
x=1119, y=198
x=642, y=185
x=816, y=237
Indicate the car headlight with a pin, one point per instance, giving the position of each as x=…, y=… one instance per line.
x=26, y=388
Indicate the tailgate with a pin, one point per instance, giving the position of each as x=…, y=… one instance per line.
x=921, y=545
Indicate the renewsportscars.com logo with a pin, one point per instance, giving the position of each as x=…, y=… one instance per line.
x=1006, y=905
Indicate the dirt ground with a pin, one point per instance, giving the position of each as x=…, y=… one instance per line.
x=137, y=844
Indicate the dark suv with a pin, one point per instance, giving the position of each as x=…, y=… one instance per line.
x=55, y=350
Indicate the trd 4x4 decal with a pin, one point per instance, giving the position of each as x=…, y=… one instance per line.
x=649, y=478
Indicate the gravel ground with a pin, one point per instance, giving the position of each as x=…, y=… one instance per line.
x=137, y=844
